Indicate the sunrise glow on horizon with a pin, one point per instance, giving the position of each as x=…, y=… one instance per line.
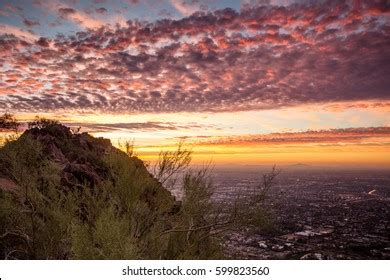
x=242, y=82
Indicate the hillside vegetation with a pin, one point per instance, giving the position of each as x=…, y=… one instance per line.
x=68, y=195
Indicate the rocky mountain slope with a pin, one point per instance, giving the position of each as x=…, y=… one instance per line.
x=69, y=195
x=80, y=160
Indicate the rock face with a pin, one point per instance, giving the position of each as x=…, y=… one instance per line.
x=79, y=158
x=74, y=153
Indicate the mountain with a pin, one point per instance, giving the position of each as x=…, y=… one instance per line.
x=80, y=160
x=70, y=195
x=300, y=165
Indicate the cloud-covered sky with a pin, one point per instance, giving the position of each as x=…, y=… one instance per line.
x=197, y=57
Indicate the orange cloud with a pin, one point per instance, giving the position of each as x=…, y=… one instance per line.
x=363, y=135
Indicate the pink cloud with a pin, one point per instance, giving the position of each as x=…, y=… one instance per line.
x=66, y=12
x=80, y=18
x=184, y=7
x=262, y=58
x=18, y=32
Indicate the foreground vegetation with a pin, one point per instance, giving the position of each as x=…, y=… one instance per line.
x=126, y=214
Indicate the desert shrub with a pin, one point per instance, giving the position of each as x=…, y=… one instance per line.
x=192, y=236
x=254, y=215
x=40, y=123
x=128, y=147
x=42, y=219
x=127, y=182
x=38, y=211
x=10, y=125
x=5, y=210
x=198, y=230
x=8, y=122
x=108, y=237
x=170, y=164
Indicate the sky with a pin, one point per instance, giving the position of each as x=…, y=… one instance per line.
x=241, y=82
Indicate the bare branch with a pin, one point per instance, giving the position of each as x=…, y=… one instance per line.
x=172, y=163
x=197, y=228
x=128, y=147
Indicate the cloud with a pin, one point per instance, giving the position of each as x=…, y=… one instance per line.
x=18, y=32
x=134, y=2
x=339, y=107
x=135, y=126
x=101, y=10
x=149, y=126
x=31, y=23
x=80, y=18
x=360, y=135
x=66, y=12
x=265, y=57
x=9, y=9
x=186, y=7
